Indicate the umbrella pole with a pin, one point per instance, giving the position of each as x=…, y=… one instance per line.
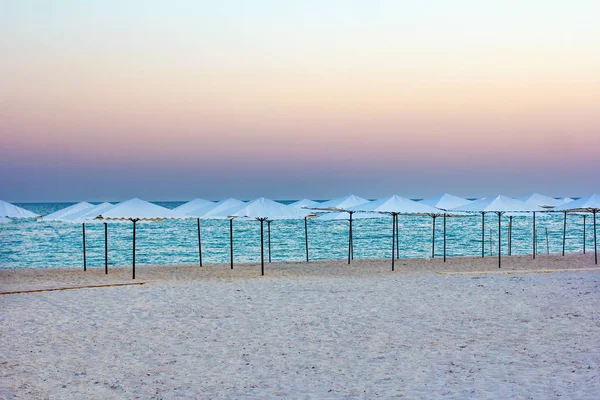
x=84, y=256
x=231, y=241
x=269, y=237
x=199, y=244
x=134, y=225
x=510, y=235
x=564, y=233
x=393, y=238
x=595, y=240
x=106, y=248
x=262, y=248
x=482, y=234
x=584, y=216
x=533, y=250
x=397, y=239
x=350, y=239
x=499, y=243
x=444, y=237
x=306, y=236
x=433, y=239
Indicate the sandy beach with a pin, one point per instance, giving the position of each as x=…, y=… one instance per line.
x=460, y=329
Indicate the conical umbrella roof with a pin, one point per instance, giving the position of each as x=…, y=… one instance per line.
x=397, y=205
x=12, y=211
x=306, y=203
x=565, y=200
x=584, y=204
x=498, y=204
x=342, y=203
x=192, y=205
x=445, y=201
x=540, y=200
x=139, y=210
x=89, y=214
x=213, y=211
x=61, y=215
x=269, y=209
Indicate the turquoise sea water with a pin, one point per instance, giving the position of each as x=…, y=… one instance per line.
x=31, y=243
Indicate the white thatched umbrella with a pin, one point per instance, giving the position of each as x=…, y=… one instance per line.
x=589, y=204
x=395, y=205
x=498, y=205
x=135, y=210
x=11, y=211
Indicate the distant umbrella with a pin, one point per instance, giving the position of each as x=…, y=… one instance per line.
x=8, y=210
x=589, y=204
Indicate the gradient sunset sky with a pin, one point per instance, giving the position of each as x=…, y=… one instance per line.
x=170, y=100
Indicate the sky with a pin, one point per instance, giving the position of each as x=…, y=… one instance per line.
x=172, y=100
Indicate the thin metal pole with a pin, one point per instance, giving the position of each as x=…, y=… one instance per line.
x=269, y=237
x=433, y=238
x=393, y=239
x=262, y=248
x=595, y=241
x=84, y=256
x=106, y=248
x=510, y=235
x=547, y=243
x=134, y=226
x=584, y=216
x=444, y=237
x=306, y=236
x=231, y=241
x=499, y=242
x=534, y=243
x=482, y=234
x=564, y=233
x=350, y=239
x=199, y=243
x=397, y=239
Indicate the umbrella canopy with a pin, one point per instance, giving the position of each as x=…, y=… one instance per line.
x=12, y=211
x=344, y=216
x=136, y=209
x=305, y=203
x=62, y=215
x=4, y=220
x=214, y=211
x=445, y=201
x=395, y=205
x=540, y=200
x=342, y=203
x=192, y=205
x=90, y=214
x=262, y=208
x=589, y=203
x=498, y=204
x=565, y=200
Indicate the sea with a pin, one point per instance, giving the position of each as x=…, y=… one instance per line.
x=43, y=244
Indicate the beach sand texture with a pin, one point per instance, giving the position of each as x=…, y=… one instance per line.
x=319, y=330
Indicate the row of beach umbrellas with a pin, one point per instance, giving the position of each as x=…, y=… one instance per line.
x=343, y=208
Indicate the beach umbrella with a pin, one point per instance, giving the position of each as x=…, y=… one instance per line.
x=395, y=205
x=135, y=210
x=262, y=210
x=444, y=202
x=88, y=215
x=61, y=214
x=589, y=204
x=11, y=211
x=342, y=204
x=215, y=211
x=192, y=205
x=345, y=216
x=4, y=220
x=498, y=205
x=304, y=203
x=539, y=200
